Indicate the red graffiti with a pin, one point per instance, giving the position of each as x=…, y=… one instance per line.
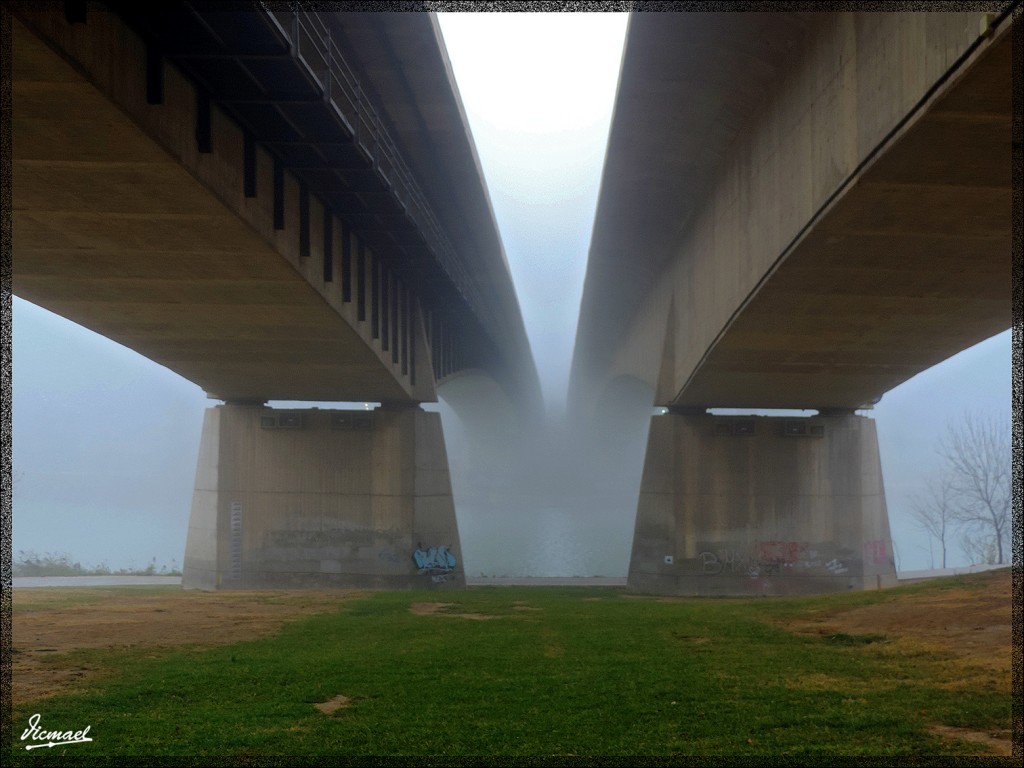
x=875, y=552
x=779, y=551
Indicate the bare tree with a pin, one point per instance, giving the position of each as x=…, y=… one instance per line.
x=978, y=461
x=935, y=510
x=979, y=549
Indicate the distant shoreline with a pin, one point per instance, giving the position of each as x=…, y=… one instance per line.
x=28, y=582
x=22, y=582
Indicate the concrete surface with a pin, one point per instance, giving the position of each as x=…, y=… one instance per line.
x=799, y=210
x=297, y=498
x=121, y=224
x=741, y=506
x=411, y=78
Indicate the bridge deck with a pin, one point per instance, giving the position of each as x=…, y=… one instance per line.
x=274, y=205
x=800, y=210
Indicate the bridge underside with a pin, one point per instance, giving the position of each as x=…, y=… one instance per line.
x=112, y=231
x=908, y=265
x=813, y=225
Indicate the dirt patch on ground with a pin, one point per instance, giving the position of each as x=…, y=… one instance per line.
x=1000, y=743
x=333, y=705
x=970, y=626
x=973, y=622
x=442, y=609
x=48, y=623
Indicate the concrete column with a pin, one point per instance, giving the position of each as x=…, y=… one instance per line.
x=320, y=498
x=752, y=505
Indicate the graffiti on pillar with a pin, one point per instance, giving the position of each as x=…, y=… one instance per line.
x=777, y=558
x=780, y=553
x=836, y=567
x=728, y=561
x=876, y=553
x=710, y=565
x=437, y=561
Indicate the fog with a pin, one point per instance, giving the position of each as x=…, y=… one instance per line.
x=538, y=90
x=552, y=499
x=105, y=442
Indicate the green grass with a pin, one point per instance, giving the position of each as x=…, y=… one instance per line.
x=587, y=672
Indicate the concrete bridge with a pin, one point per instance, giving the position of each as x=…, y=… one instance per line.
x=276, y=206
x=798, y=211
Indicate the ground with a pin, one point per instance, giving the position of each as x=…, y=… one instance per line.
x=971, y=624
x=968, y=625
x=48, y=622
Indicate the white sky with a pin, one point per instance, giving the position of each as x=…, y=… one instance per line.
x=538, y=90
x=105, y=441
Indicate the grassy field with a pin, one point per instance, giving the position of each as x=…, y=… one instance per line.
x=538, y=671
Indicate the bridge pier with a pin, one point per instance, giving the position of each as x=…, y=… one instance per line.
x=752, y=505
x=320, y=498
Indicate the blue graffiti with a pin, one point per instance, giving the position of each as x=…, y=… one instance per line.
x=434, y=559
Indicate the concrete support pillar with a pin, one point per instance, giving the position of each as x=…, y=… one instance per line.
x=752, y=505
x=320, y=498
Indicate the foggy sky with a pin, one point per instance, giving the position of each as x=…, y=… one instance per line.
x=105, y=442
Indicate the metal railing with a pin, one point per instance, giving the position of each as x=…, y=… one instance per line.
x=313, y=44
